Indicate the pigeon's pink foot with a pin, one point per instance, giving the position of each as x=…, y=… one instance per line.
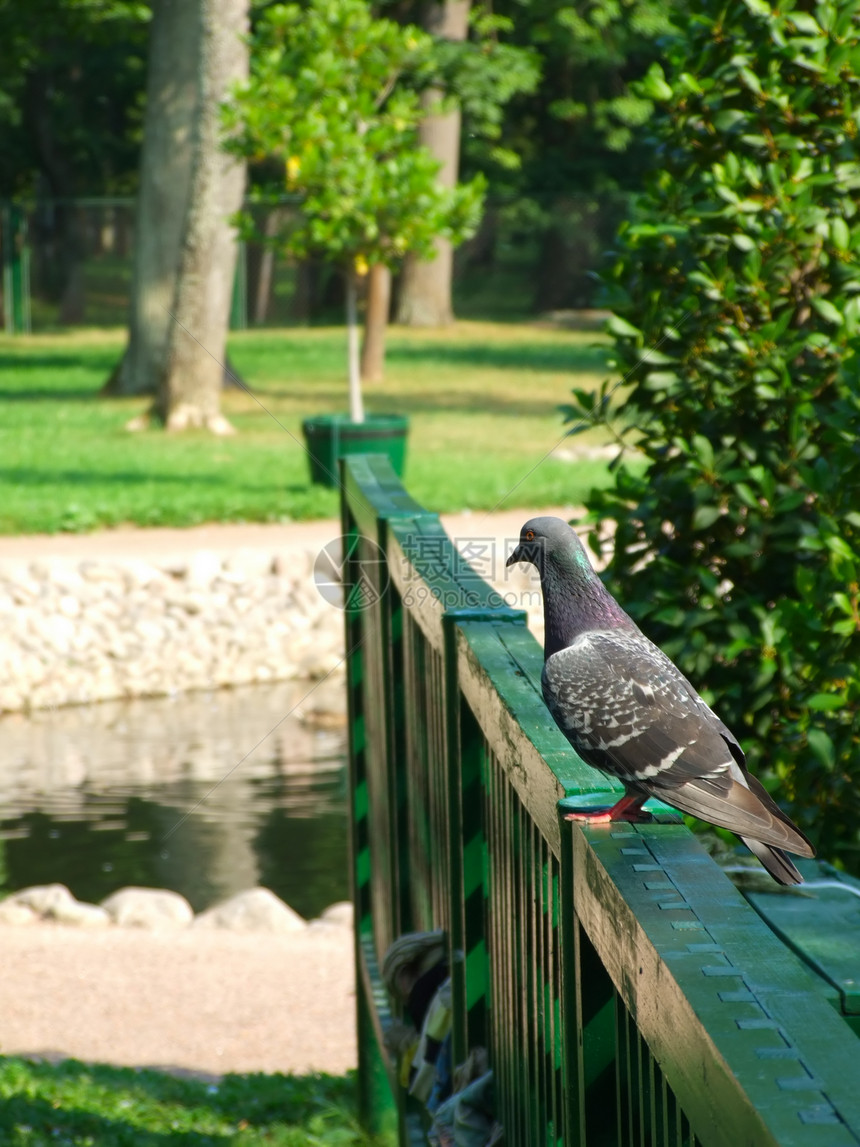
x=628, y=808
x=590, y=816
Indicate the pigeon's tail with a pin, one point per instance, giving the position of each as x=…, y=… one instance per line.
x=742, y=804
x=797, y=843
x=775, y=861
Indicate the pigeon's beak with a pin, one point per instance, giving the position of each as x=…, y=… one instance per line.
x=521, y=554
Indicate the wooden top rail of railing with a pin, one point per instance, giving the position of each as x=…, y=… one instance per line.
x=625, y=990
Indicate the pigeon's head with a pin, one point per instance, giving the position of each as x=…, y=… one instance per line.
x=549, y=542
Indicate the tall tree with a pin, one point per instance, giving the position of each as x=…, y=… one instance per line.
x=185, y=253
x=470, y=77
x=189, y=384
x=163, y=195
x=425, y=287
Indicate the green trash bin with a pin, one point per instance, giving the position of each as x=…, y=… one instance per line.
x=331, y=436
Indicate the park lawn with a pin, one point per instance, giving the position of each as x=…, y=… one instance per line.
x=84, y=1105
x=483, y=401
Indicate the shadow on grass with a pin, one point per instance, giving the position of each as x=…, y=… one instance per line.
x=311, y=400
x=16, y=370
x=504, y=356
x=31, y=476
x=46, y=394
x=89, y=358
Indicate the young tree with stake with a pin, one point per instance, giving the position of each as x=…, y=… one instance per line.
x=326, y=97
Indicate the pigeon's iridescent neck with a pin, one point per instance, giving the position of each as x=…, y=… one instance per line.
x=575, y=605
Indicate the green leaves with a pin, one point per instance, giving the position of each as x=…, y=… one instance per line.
x=326, y=99
x=827, y=310
x=738, y=548
x=654, y=85
x=621, y=328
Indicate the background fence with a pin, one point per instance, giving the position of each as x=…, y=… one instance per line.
x=69, y=262
x=624, y=989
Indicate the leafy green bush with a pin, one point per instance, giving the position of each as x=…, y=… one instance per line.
x=736, y=299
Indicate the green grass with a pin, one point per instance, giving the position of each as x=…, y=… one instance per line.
x=482, y=398
x=71, y=1104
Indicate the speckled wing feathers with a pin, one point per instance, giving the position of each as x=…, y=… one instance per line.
x=624, y=705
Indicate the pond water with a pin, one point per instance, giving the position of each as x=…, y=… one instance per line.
x=204, y=793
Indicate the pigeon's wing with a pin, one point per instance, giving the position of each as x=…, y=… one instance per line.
x=618, y=696
x=744, y=807
x=746, y=779
x=627, y=709
x=715, y=722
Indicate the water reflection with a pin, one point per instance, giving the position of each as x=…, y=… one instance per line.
x=157, y=793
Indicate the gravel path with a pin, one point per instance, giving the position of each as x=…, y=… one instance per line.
x=224, y=538
x=199, y=1000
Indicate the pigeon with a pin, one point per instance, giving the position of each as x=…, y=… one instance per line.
x=629, y=711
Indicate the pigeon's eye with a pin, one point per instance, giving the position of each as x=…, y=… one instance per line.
x=530, y=535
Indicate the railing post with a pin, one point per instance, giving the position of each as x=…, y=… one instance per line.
x=588, y=1019
x=372, y=628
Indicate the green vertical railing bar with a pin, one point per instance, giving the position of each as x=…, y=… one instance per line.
x=362, y=868
x=627, y=995
x=377, y=1109
x=476, y=979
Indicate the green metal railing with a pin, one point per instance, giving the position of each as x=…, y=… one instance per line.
x=624, y=989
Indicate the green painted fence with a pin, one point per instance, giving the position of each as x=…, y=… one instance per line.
x=625, y=990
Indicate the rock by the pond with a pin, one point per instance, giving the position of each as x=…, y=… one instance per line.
x=44, y=899
x=81, y=915
x=13, y=913
x=339, y=914
x=257, y=910
x=148, y=908
x=50, y=902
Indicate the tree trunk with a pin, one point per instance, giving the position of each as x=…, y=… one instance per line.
x=189, y=390
x=425, y=288
x=73, y=298
x=165, y=188
x=263, y=278
x=356, y=406
x=375, y=323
